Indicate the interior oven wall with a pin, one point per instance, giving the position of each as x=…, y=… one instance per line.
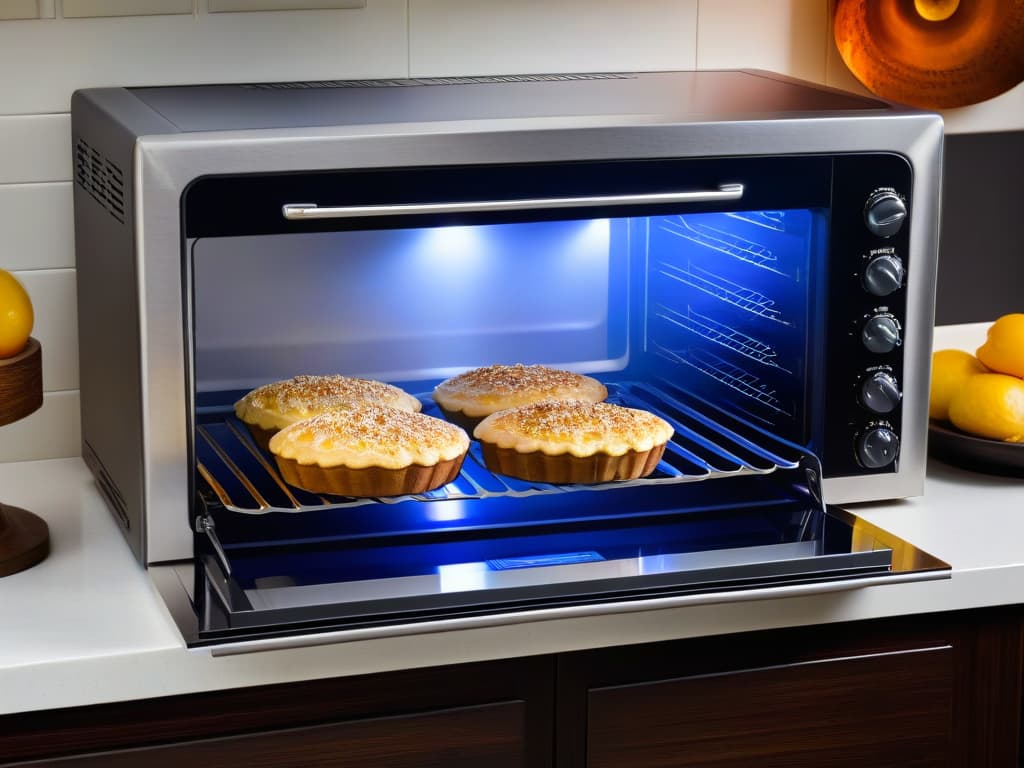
x=715, y=303
x=409, y=305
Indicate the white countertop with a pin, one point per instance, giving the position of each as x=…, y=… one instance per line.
x=85, y=626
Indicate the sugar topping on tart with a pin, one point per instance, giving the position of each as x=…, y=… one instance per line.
x=280, y=403
x=573, y=426
x=370, y=435
x=484, y=390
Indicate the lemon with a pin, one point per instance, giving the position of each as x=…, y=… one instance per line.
x=16, y=316
x=1003, y=350
x=950, y=369
x=990, y=405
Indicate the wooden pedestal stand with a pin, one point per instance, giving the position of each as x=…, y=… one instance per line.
x=24, y=537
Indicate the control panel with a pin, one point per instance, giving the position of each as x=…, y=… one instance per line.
x=866, y=314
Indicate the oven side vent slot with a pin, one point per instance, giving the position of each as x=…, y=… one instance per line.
x=107, y=486
x=101, y=178
x=404, y=82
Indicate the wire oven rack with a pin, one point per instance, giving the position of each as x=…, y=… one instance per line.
x=747, y=299
x=245, y=479
x=725, y=242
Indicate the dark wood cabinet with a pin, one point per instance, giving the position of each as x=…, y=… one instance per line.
x=936, y=690
x=490, y=713
x=491, y=735
x=866, y=710
x=931, y=690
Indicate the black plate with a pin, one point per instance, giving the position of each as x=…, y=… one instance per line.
x=995, y=457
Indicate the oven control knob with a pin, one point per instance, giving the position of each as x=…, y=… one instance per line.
x=879, y=393
x=881, y=334
x=884, y=213
x=883, y=275
x=877, y=447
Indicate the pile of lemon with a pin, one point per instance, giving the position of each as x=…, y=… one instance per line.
x=983, y=394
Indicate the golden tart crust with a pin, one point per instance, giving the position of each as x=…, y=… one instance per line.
x=573, y=442
x=369, y=450
x=274, y=406
x=467, y=398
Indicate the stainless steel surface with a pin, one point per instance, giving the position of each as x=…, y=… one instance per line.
x=706, y=96
x=599, y=609
x=799, y=121
x=297, y=211
x=478, y=576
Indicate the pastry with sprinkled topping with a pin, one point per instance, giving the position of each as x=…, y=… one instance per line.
x=274, y=406
x=469, y=397
x=370, y=450
x=573, y=441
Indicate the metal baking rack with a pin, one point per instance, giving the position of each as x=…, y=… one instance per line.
x=772, y=220
x=245, y=479
x=724, y=242
x=723, y=335
x=747, y=299
x=724, y=372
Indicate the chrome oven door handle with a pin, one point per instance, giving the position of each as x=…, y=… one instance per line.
x=299, y=211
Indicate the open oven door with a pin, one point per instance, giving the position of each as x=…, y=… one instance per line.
x=731, y=513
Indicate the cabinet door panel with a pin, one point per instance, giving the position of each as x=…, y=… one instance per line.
x=491, y=735
x=884, y=709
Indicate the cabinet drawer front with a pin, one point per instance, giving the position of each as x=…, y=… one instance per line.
x=881, y=709
x=491, y=735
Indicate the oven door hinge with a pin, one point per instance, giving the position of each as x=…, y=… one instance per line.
x=205, y=524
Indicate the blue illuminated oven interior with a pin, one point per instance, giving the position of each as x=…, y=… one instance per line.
x=672, y=312
x=717, y=304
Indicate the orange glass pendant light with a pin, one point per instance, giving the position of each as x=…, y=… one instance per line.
x=936, y=54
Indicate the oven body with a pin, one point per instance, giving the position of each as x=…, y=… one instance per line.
x=751, y=256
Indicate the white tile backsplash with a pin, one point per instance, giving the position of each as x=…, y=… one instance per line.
x=43, y=61
x=448, y=37
x=37, y=223
x=235, y=6
x=35, y=148
x=88, y=8
x=26, y=9
x=788, y=37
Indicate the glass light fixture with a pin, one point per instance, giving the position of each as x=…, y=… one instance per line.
x=935, y=54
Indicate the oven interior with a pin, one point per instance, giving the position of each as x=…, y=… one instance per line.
x=706, y=318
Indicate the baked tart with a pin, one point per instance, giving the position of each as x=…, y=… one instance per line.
x=368, y=450
x=468, y=398
x=573, y=441
x=274, y=406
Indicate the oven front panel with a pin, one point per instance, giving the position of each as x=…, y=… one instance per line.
x=757, y=302
x=726, y=295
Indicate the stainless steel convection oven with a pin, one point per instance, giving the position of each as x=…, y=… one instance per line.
x=749, y=257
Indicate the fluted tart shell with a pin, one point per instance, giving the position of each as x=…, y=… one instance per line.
x=573, y=442
x=369, y=450
x=272, y=407
x=466, y=399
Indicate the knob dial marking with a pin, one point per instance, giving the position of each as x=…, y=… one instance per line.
x=884, y=213
x=877, y=447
